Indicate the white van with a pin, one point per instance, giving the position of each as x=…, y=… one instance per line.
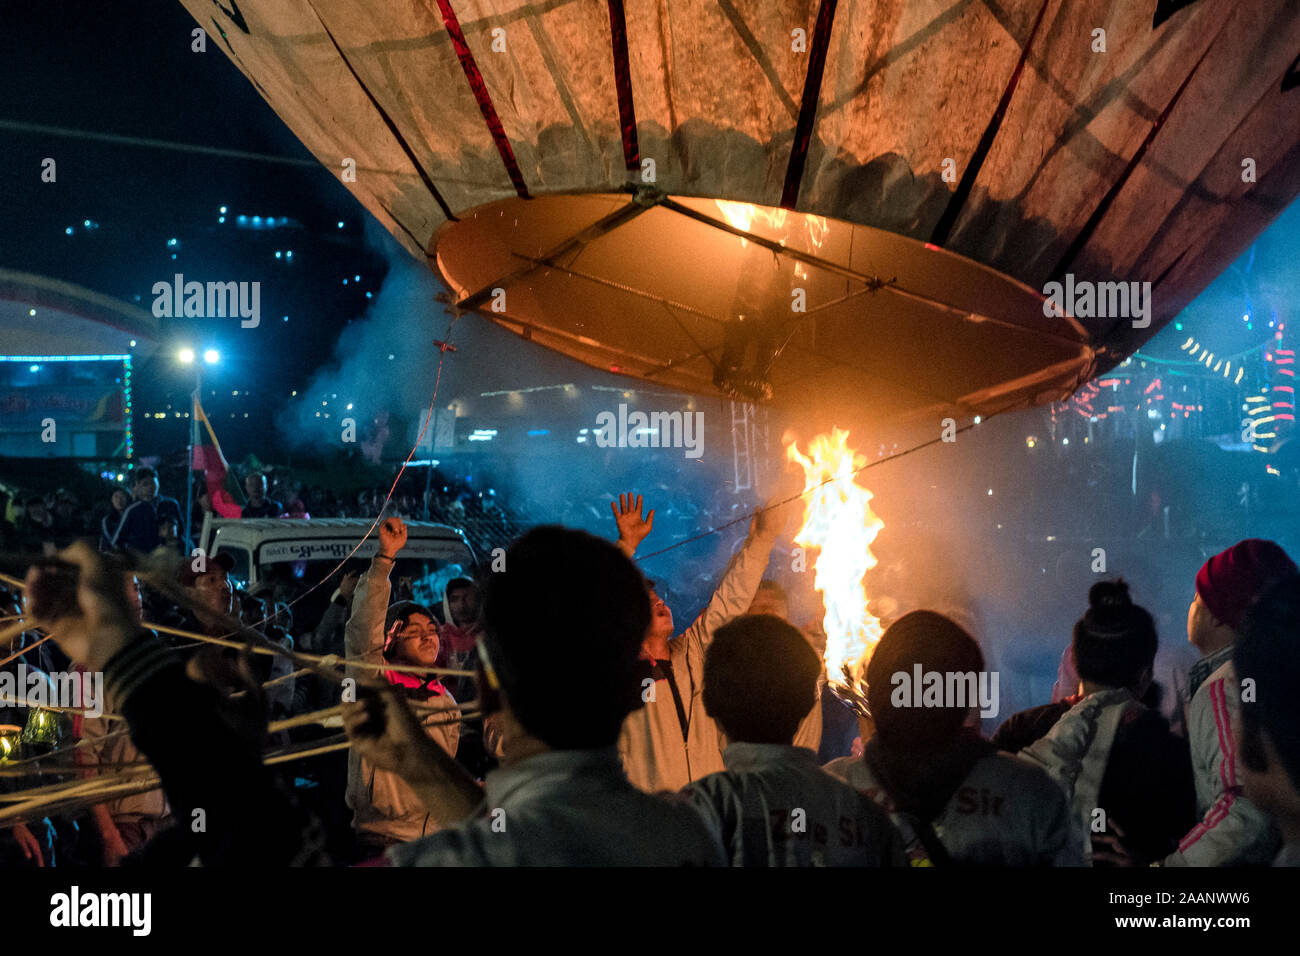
x=290, y=555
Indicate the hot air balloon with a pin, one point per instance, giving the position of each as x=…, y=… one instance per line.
x=817, y=205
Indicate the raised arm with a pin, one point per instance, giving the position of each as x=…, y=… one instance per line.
x=363, y=637
x=740, y=579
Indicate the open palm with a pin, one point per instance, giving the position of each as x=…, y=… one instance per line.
x=632, y=527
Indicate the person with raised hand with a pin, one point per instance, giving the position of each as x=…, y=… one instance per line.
x=561, y=797
x=386, y=811
x=671, y=741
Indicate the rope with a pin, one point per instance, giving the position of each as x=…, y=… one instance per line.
x=86, y=770
x=275, y=726
x=467, y=711
x=428, y=419
x=9, y=631
x=41, y=801
x=15, y=702
x=277, y=680
x=321, y=660
x=84, y=742
x=12, y=816
x=796, y=497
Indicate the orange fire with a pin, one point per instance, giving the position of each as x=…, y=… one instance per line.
x=839, y=523
x=742, y=215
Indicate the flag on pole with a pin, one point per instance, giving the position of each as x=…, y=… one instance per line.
x=223, y=490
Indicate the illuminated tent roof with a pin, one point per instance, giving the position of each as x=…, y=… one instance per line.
x=44, y=316
x=658, y=188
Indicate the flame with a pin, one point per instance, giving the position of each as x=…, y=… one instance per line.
x=839, y=522
x=741, y=215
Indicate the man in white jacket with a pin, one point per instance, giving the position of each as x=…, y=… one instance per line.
x=386, y=811
x=671, y=740
x=1232, y=830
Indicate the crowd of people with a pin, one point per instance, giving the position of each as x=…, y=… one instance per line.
x=35, y=520
x=550, y=712
x=31, y=520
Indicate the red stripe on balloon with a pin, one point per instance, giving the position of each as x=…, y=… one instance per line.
x=484, y=98
x=623, y=84
x=812, y=88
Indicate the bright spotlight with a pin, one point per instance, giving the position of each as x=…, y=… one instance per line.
x=211, y=356
x=186, y=356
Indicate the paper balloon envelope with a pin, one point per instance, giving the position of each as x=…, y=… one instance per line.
x=812, y=202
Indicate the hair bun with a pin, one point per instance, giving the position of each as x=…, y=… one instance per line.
x=1109, y=596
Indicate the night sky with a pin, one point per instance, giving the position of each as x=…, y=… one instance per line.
x=127, y=70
